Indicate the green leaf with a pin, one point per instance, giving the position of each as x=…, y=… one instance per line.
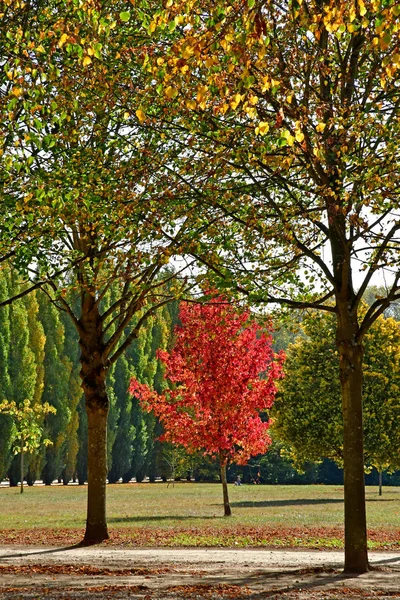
x=124, y=16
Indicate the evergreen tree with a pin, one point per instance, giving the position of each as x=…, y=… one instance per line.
x=56, y=381
x=21, y=364
x=37, y=340
x=6, y=423
x=73, y=440
x=125, y=430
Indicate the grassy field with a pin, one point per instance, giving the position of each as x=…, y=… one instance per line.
x=191, y=514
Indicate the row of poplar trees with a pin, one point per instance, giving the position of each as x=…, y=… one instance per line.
x=40, y=362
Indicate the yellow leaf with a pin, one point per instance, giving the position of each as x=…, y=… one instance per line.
x=289, y=98
x=169, y=3
x=86, y=61
x=171, y=92
x=262, y=128
x=187, y=52
x=253, y=100
x=140, y=115
x=17, y=92
x=152, y=27
x=289, y=138
x=62, y=40
x=126, y=115
x=265, y=84
x=299, y=135
x=363, y=10
x=320, y=127
x=396, y=59
x=191, y=104
x=40, y=49
x=90, y=51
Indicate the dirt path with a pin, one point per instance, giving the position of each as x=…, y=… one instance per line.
x=154, y=574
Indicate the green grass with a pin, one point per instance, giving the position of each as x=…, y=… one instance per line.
x=192, y=505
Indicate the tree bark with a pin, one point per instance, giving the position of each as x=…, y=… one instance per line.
x=22, y=465
x=227, y=508
x=380, y=481
x=93, y=374
x=350, y=355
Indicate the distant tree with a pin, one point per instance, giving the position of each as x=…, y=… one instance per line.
x=56, y=382
x=27, y=419
x=5, y=382
x=22, y=366
x=307, y=413
x=222, y=371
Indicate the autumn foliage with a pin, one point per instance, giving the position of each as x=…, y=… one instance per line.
x=222, y=372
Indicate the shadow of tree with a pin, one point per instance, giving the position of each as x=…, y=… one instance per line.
x=157, y=518
x=296, y=502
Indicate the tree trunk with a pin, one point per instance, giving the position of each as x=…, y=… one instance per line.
x=93, y=374
x=22, y=465
x=355, y=524
x=227, y=508
x=96, y=523
x=380, y=481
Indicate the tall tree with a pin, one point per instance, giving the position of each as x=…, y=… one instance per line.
x=206, y=409
x=101, y=183
x=56, y=383
x=22, y=367
x=291, y=112
x=5, y=382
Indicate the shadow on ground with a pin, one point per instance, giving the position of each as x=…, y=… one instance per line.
x=158, y=518
x=298, y=502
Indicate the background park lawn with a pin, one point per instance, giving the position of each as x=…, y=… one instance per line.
x=190, y=514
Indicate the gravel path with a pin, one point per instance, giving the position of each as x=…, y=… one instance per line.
x=158, y=573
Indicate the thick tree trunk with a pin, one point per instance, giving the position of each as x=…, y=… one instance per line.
x=96, y=523
x=93, y=374
x=350, y=355
x=380, y=482
x=227, y=508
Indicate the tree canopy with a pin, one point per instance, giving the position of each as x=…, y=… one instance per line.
x=307, y=413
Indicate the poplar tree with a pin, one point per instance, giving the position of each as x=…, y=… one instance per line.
x=56, y=380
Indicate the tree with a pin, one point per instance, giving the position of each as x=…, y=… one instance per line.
x=99, y=184
x=27, y=430
x=56, y=387
x=222, y=373
x=291, y=115
x=307, y=413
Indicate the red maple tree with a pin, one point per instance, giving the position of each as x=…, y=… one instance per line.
x=222, y=371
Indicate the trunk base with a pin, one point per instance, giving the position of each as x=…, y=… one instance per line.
x=95, y=534
x=358, y=569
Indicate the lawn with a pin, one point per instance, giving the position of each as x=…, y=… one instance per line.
x=191, y=514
